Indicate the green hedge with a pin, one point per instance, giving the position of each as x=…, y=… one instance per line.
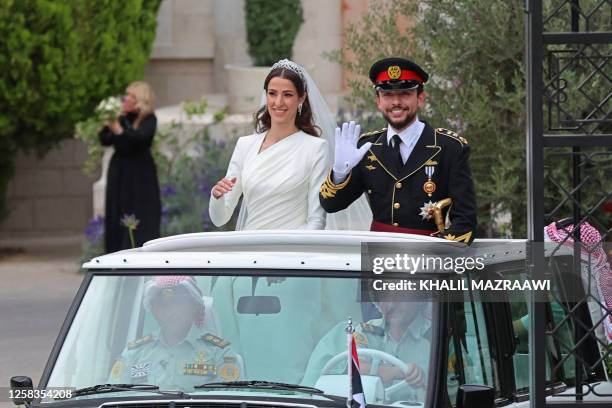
x=59, y=59
x=271, y=29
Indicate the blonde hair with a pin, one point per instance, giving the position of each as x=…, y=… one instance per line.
x=145, y=99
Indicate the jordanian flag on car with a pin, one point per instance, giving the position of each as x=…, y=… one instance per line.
x=356, y=399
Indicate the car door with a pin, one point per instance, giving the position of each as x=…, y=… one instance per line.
x=488, y=341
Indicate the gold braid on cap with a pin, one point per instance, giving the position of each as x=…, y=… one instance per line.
x=290, y=65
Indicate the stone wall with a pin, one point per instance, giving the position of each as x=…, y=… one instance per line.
x=197, y=38
x=182, y=62
x=49, y=196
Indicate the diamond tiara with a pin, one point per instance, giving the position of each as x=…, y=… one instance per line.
x=288, y=64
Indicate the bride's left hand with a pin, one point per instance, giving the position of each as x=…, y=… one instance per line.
x=223, y=186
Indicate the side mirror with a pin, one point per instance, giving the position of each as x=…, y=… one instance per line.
x=19, y=384
x=475, y=396
x=259, y=305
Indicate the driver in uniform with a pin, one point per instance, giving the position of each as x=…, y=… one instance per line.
x=403, y=331
x=179, y=356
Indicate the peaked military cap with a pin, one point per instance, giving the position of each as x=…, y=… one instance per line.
x=396, y=74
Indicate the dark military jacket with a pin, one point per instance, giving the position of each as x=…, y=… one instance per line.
x=399, y=194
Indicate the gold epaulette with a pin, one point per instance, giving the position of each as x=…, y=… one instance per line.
x=329, y=189
x=452, y=135
x=139, y=342
x=215, y=341
x=374, y=132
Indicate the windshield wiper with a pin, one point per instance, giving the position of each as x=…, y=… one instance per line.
x=104, y=388
x=260, y=384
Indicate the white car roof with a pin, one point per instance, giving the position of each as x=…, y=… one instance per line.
x=278, y=249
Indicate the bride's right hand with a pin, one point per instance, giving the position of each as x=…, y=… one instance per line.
x=223, y=186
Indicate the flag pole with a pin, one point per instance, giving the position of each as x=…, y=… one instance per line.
x=349, y=330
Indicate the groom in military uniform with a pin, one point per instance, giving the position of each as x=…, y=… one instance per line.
x=417, y=178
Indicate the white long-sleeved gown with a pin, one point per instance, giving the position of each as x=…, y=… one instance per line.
x=281, y=191
x=280, y=185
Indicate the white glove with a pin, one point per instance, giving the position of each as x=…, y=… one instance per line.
x=347, y=155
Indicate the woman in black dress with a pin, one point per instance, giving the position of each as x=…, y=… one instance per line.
x=131, y=184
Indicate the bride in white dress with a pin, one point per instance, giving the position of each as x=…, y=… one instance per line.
x=278, y=171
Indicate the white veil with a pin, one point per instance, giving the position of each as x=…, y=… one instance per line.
x=358, y=215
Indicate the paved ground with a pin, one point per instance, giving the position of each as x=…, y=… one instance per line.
x=36, y=289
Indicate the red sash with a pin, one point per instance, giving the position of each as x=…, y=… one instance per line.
x=382, y=227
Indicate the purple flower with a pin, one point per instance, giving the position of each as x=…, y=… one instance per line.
x=207, y=224
x=168, y=190
x=204, y=188
x=165, y=215
x=95, y=230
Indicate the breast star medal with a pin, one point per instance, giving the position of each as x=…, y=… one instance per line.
x=140, y=370
x=427, y=210
x=429, y=187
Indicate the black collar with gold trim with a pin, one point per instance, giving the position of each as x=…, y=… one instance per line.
x=425, y=150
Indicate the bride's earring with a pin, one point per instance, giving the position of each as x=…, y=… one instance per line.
x=299, y=109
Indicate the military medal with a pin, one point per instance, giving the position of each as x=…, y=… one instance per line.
x=429, y=187
x=200, y=369
x=427, y=211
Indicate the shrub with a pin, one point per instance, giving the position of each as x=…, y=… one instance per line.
x=59, y=59
x=271, y=29
x=187, y=171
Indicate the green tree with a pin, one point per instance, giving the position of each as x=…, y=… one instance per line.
x=59, y=59
x=271, y=29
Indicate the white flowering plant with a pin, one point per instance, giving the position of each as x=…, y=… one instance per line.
x=108, y=109
x=87, y=131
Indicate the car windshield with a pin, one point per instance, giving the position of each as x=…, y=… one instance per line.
x=181, y=331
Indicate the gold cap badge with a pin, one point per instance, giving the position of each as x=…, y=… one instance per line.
x=394, y=72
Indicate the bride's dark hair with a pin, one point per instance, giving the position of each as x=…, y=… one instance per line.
x=304, y=122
